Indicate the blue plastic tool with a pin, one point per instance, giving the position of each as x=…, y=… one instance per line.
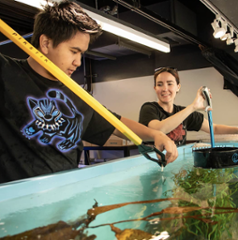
x=208, y=109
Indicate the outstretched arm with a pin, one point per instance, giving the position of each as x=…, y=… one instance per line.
x=146, y=134
x=218, y=128
x=170, y=123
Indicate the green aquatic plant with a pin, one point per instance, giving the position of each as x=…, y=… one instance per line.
x=213, y=189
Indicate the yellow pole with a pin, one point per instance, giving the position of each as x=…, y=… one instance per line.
x=67, y=81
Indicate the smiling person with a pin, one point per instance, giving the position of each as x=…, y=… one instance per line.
x=172, y=119
x=43, y=123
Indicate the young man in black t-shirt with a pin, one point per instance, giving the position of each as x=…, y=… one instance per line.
x=42, y=122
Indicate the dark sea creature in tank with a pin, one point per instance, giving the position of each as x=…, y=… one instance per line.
x=56, y=231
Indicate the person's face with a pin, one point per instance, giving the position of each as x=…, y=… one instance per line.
x=67, y=55
x=166, y=87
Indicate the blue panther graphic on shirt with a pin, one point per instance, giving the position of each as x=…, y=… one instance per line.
x=50, y=123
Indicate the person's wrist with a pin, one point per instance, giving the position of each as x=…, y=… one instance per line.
x=192, y=108
x=152, y=134
x=157, y=133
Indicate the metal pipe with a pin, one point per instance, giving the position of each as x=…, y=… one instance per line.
x=96, y=4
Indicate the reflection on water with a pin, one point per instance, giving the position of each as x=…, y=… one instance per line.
x=183, y=203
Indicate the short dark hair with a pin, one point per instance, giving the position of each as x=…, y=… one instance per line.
x=61, y=21
x=171, y=70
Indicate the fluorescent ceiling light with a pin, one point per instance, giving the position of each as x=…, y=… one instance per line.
x=116, y=28
x=124, y=31
x=34, y=3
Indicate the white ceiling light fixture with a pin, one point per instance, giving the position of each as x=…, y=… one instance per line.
x=229, y=40
x=236, y=44
x=224, y=37
x=116, y=28
x=219, y=31
x=224, y=26
x=230, y=35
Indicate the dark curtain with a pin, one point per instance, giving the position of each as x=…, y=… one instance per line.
x=225, y=64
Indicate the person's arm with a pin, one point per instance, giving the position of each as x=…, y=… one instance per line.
x=218, y=128
x=161, y=141
x=170, y=123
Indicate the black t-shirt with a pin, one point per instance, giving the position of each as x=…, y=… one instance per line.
x=42, y=123
x=153, y=111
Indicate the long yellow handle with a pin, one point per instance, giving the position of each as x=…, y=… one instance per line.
x=67, y=81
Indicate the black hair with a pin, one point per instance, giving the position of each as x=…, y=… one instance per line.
x=61, y=21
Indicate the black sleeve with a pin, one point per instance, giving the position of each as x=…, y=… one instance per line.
x=195, y=121
x=148, y=112
x=99, y=129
